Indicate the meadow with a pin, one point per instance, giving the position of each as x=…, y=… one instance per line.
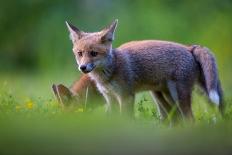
x=33, y=122
x=35, y=52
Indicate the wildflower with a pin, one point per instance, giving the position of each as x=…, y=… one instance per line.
x=29, y=105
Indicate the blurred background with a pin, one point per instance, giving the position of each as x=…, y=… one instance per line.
x=35, y=52
x=34, y=40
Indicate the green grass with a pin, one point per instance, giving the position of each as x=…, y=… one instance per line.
x=32, y=122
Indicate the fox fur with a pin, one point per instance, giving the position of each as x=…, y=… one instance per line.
x=167, y=69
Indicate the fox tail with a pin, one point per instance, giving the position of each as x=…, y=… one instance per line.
x=209, y=74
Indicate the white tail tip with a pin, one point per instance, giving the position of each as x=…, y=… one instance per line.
x=214, y=97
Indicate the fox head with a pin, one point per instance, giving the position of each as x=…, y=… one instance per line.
x=91, y=49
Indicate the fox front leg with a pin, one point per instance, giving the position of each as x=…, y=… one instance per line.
x=126, y=105
x=108, y=99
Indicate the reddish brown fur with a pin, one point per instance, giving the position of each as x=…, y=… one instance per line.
x=80, y=86
x=167, y=69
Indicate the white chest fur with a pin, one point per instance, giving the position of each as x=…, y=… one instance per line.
x=111, y=87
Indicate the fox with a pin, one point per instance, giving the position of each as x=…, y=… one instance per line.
x=82, y=91
x=167, y=69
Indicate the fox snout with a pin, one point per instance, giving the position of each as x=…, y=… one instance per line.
x=86, y=68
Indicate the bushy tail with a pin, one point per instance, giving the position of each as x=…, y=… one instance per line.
x=209, y=74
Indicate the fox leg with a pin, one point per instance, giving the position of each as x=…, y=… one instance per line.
x=108, y=99
x=184, y=97
x=175, y=112
x=169, y=99
x=163, y=106
x=126, y=104
x=220, y=91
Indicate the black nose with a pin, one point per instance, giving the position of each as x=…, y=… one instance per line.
x=83, y=67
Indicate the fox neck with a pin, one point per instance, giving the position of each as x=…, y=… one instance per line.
x=105, y=73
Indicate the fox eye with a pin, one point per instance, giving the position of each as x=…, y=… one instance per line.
x=93, y=53
x=79, y=54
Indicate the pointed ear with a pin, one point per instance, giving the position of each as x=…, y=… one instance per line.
x=108, y=32
x=75, y=33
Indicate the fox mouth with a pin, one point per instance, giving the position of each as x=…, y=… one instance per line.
x=86, y=71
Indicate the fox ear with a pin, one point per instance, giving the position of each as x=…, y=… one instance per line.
x=108, y=32
x=75, y=33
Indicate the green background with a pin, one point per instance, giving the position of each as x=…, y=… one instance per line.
x=34, y=38
x=35, y=52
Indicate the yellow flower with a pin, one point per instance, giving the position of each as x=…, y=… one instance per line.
x=29, y=105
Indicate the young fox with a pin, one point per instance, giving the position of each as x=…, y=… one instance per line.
x=82, y=91
x=167, y=69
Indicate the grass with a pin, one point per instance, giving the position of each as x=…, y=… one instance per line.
x=32, y=122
